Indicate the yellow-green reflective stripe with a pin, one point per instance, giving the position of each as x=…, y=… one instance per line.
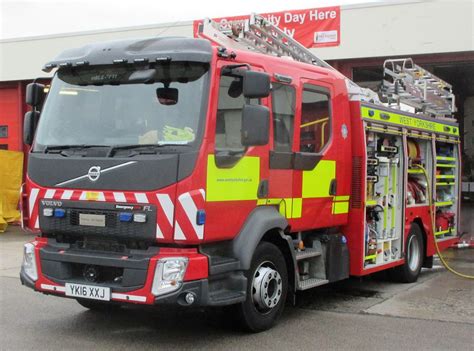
x=394, y=191
x=297, y=208
x=230, y=184
x=317, y=181
x=288, y=207
x=408, y=121
x=340, y=207
x=445, y=158
x=342, y=198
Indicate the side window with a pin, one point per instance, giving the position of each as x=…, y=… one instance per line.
x=229, y=114
x=283, y=109
x=315, y=119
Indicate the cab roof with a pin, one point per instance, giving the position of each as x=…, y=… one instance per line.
x=134, y=51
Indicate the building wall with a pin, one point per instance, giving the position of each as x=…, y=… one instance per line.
x=369, y=30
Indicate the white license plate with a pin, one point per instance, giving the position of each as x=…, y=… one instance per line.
x=92, y=220
x=88, y=291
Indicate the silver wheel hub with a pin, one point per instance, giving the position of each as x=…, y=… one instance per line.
x=413, y=253
x=267, y=287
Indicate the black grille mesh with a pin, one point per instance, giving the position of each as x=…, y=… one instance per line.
x=356, y=188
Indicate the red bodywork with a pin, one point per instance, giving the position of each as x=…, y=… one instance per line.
x=224, y=219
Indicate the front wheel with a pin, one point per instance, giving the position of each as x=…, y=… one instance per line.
x=414, y=252
x=267, y=287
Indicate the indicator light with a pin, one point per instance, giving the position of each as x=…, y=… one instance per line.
x=48, y=212
x=125, y=216
x=139, y=217
x=200, y=217
x=59, y=213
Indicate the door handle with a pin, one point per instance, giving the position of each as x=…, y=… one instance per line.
x=333, y=187
x=262, y=191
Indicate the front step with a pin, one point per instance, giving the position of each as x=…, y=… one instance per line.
x=222, y=264
x=311, y=283
x=226, y=297
x=308, y=253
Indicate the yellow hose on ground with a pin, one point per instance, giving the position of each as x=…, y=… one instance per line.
x=433, y=227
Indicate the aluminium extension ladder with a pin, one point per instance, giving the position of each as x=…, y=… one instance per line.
x=403, y=83
x=407, y=83
x=260, y=35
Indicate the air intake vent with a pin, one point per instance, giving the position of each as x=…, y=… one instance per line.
x=356, y=190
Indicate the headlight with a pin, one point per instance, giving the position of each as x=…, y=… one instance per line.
x=29, y=261
x=169, y=274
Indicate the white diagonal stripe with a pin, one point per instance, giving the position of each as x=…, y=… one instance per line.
x=83, y=195
x=37, y=223
x=49, y=193
x=191, y=211
x=178, y=232
x=141, y=197
x=159, y=233
x=167, y=204
x=101, y=197
x=129, y=297
x=203, y=193
x=31, y=201
x=53, y=287
x=120, y=197
x=67, y=194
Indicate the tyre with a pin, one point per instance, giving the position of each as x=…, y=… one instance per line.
x=414, y=254
x=267, y=287
x=98, y=305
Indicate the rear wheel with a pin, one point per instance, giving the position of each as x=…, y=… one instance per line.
x=267, y=287
x=98, y=305
x=410, y=270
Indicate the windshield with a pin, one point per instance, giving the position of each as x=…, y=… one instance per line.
x=114, y=106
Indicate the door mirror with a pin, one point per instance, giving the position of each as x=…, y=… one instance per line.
x=35, y=94
x=167, y=96
x=29, y=126
x=256, y=84
x=255, y=125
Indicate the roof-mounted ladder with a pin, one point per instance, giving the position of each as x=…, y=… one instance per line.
x=260, y=35
x=404, y=82
x=407, y=83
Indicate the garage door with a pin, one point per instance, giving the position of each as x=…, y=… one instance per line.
x=10, y=120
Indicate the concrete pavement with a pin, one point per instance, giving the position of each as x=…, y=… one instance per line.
x=437, y=312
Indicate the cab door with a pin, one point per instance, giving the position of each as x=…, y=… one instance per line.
x=280, y=190
x=321, y=158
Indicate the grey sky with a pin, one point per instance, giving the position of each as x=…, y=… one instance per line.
x=20, y=18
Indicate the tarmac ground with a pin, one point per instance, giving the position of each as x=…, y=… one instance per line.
x=436, y=312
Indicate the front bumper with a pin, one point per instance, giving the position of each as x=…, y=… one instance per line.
x=207, y=290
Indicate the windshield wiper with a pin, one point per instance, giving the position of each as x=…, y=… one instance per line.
x=150, y=147
x=60, y=148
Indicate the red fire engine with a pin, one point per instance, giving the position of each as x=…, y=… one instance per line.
x=173, y=171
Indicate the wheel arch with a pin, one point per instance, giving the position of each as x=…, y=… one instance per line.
x=427, y=260
x=263, y=221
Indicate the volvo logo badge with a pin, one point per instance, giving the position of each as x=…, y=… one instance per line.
x=94, y=173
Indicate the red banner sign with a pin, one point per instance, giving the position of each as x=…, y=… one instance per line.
x=311, y=27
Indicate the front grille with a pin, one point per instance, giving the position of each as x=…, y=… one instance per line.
x=114, y=228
